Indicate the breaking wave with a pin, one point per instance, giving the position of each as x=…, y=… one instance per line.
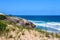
x=53, y=25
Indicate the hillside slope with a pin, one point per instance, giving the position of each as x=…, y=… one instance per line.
x=13, y=28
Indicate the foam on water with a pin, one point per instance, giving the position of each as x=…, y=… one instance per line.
x=53, y=25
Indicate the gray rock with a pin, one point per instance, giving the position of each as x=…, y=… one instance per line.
x=21, y=22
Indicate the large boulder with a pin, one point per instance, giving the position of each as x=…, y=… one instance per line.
x=26, y=23
x=13, y=19
x=21, y=22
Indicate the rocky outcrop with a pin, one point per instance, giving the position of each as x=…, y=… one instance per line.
x=21, y=22
x=18, y=21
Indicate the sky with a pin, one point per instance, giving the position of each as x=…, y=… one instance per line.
x=30, y=7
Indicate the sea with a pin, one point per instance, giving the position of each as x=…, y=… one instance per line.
x=46, y=23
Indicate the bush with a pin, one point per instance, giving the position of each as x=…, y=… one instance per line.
x=57, y=35
x=2, y=17
x=2, y=26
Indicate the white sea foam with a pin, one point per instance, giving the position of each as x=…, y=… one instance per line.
x=54, y=25
x=35, y=21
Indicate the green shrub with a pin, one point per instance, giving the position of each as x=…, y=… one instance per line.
x=20, y=28
x=2, y=17
x=57, y=35
x=2, y=26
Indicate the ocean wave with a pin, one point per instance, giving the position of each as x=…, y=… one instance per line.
x=35, y=21
x=54, y=25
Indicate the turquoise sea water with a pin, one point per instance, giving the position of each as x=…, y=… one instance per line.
x=49, y=23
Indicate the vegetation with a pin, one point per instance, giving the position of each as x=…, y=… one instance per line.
x=39, y=30
x=2, y=17
x=19, y=30
x=3, y=26
x=47, y=33
x=57, y=35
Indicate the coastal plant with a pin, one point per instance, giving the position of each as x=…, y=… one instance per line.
x=20, y=28
x=2, y=17
x=57, y=35
x=2, y=27
x=39, y=30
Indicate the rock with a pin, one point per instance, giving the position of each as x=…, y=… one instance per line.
x=13, y=19
x=21, y=22
x=30, y=25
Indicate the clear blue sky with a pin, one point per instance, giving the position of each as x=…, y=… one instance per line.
x=30, y=7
